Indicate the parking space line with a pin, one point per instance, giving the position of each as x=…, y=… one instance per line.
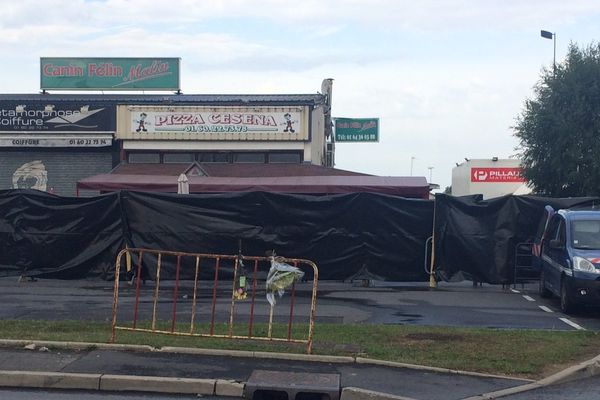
x=528, y=298
x=514, y=291
x=573, y=324
x=545, y=308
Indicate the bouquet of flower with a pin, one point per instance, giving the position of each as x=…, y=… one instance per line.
x=280, y=277
x=240, y=292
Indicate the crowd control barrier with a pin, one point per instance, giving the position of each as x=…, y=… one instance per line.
x=524, y=270
x=219, y=307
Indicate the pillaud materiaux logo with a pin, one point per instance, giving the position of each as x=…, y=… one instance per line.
x=497, y=175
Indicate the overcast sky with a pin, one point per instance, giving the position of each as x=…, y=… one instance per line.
x=446, y=78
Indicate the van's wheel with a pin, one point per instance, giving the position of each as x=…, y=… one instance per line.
x=566, y=304
x=544, y=292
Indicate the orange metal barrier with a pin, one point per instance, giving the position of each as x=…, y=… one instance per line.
x=228, y=297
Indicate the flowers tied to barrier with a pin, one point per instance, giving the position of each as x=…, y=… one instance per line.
x=280, y=277
x=240, y=292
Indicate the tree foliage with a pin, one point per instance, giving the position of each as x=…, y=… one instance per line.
x=559, y=129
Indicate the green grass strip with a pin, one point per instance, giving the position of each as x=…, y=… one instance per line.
x=520, y=353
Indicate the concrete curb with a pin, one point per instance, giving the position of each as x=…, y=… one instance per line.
x=256, y=354
x=204, y=352
x=75, y=345
x=49, y=380
x=352, y=393
x=156, y=384
x=393, y=364
x=582, y=370
x=235, y=389
x=229, y=388
x=505, y=392
x=112, y=383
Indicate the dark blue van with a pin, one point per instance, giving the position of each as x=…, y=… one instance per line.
x=570, y=258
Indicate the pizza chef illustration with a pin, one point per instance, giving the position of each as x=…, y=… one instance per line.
x=288, y=123
x=142, y=123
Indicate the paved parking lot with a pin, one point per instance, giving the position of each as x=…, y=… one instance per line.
x=451, y=304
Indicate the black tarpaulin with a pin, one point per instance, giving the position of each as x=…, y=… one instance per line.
x=58, y=237
x=347, y=235
x=344, y=234
x=479, y=236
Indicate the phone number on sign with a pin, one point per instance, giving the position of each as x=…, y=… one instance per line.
x=87, y=142
x=216, y=128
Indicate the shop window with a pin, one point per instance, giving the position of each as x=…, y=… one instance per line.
x=249, y=157
x=292, y=158
x=213, y=157
x=178, y=158
x=143, y=158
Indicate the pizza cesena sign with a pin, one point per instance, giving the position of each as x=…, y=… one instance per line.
x=199, y=123
x=497, y=175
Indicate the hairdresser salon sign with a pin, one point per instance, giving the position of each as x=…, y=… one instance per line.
x=109, y=73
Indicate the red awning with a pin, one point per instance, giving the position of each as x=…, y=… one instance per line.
x=414, y=187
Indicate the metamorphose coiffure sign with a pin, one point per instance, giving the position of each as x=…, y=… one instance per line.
x=109, y=73
x=54, y=117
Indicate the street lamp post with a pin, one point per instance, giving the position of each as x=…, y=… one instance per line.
x=551, y=35
x=412, y=159
x=430, y=173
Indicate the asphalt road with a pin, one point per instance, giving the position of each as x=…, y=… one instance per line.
x=451, y=304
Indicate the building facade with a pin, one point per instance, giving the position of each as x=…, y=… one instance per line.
x=489, y=177
x=86, y=144
x=50, y=142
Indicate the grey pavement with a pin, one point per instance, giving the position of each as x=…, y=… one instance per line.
x=407, y=382
x=53, y=394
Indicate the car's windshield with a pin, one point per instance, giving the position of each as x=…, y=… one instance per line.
x=585, y=234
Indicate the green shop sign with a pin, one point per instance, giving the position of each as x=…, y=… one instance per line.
x=357, y=129
x=109, y=73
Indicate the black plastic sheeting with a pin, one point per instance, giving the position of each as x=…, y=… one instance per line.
x=348, y=235
x=479, y=237
x=381, y=236
x=58, y=237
